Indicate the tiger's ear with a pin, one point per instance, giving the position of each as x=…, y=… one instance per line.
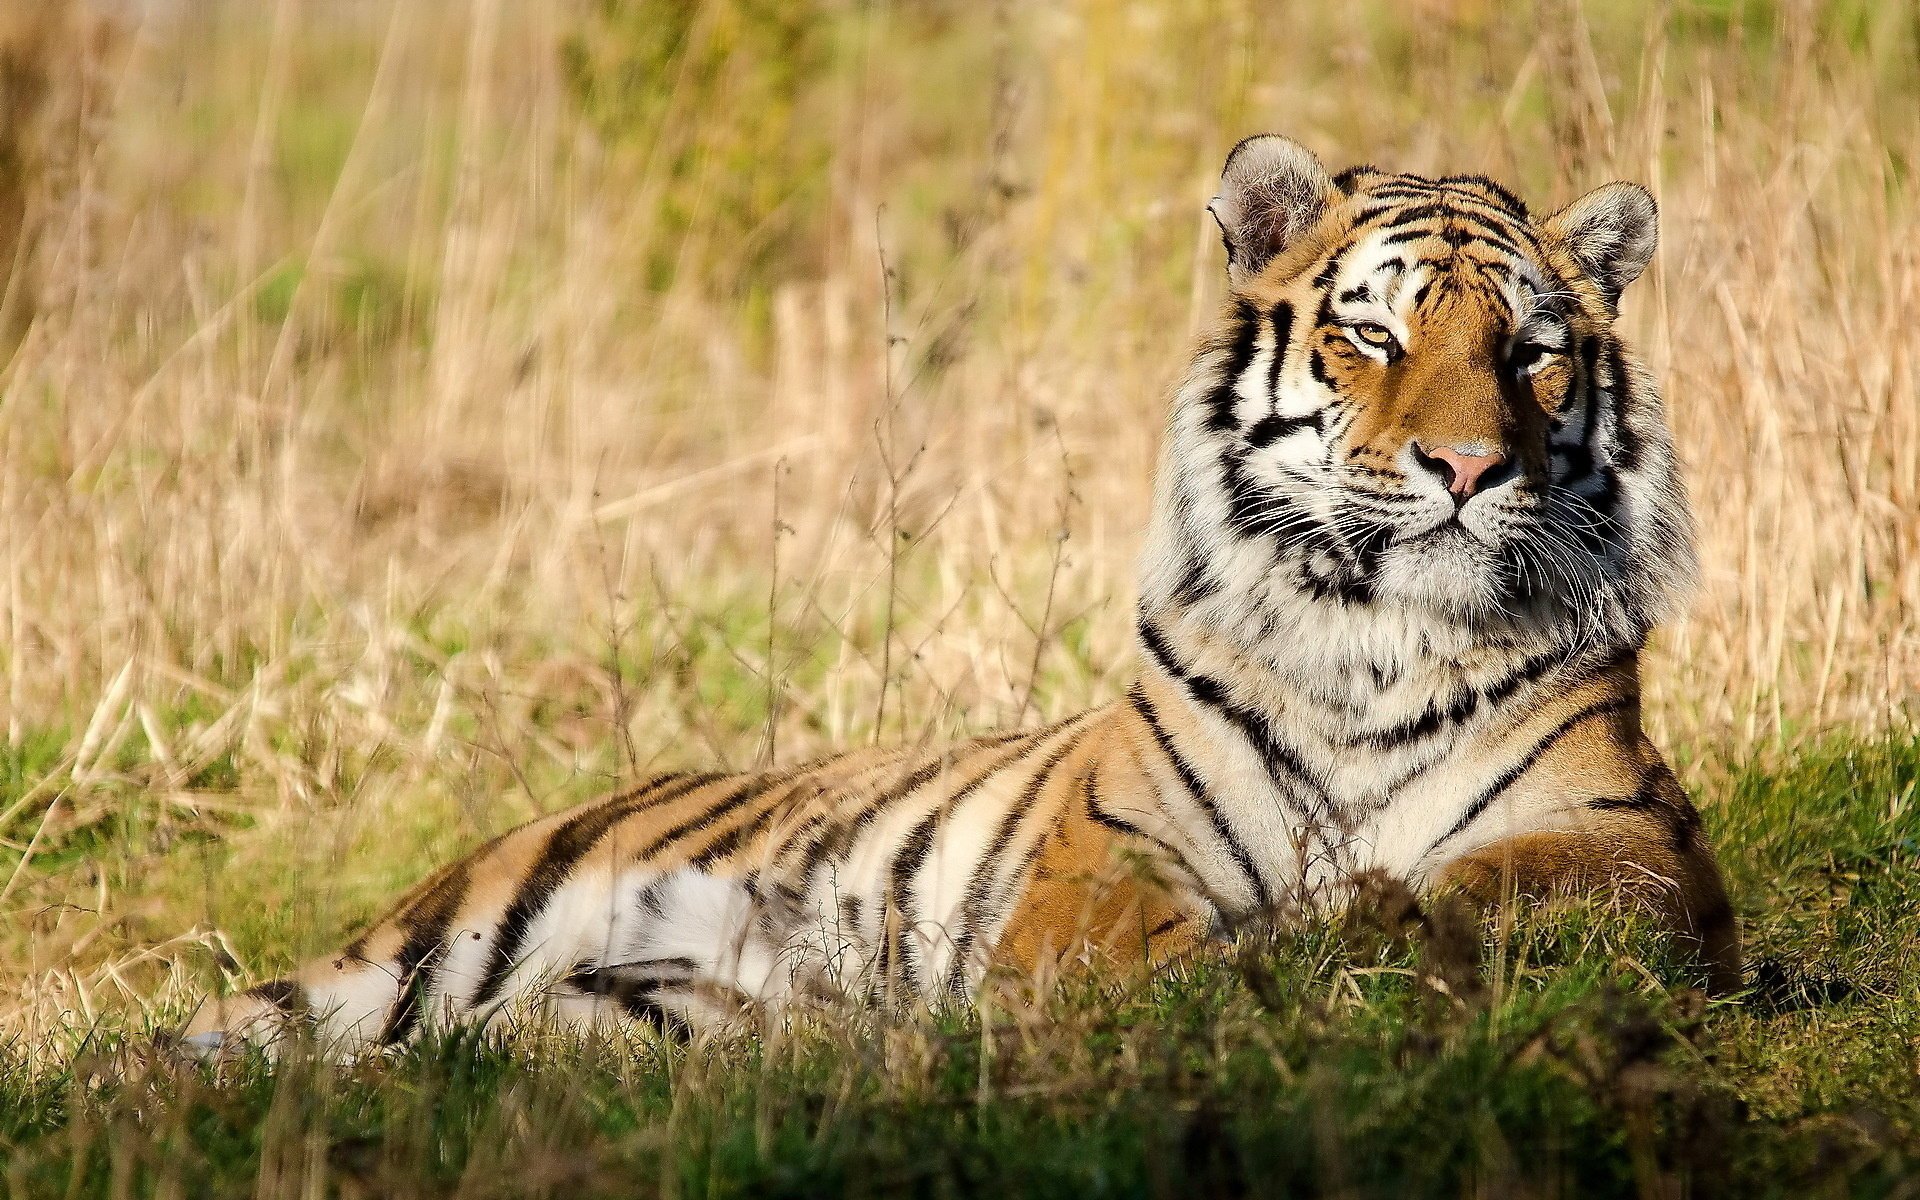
x=1612, y=232
x=1272, y=190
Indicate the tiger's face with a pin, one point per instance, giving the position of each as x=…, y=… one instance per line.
x=1421, y=398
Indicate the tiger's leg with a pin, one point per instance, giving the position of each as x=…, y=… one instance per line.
x=347, y=1006
x=341, y=1001
x=1655, y=858
x=677, y=950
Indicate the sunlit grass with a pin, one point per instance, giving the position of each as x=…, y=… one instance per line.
x=1376, y=1058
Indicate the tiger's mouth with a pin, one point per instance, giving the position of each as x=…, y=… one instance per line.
x=1444, y=568
x=1448, y=532
x=1456, y=528
x=1452, y=542
x=1474, y=526
x=1508, y=563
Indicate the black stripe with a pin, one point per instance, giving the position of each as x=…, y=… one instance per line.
x=1195, y=584
x=1245, y=324
x=1601, y=534
x=1341, y=582
x=1645, y=798
x=1090, y=795
x=1282, y=320
x=913, y=852
x=987, y=870
x=668, y=968
x=1447, y=210
x=1100, y=816
x=1627, y=444
x=793, y=836
x=564, y=849
x=1507, y=778
x=1433, y=208
x=1461, y=233
x=1252, y=725
x=285, y=995
x=1648, y=800
x=1579, y=454
x=1463, y=200
x=839, y=835
x=1324, y=316
x=1365, y=551
x=754, y=788
x=1197, y=791
x=1330, y=270
x=1504, y=196
x=1317, y=365
x=1455, y=229
x=1405, y=188
x=725, y=844
x=426, y=923
x=1527, y=672
x=1590, y=362
x=1252, y=510
x=639, y=998
x=1271, y=428
x=1597, y=537
x=1686, y=830
x=1165, y=927
x=1428, y=723
x=647, y=790
x=837, y=838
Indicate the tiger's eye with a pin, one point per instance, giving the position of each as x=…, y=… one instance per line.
x=1528, y=355
x=1373, y=334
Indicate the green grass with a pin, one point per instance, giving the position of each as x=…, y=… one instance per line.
x=1568, y=1055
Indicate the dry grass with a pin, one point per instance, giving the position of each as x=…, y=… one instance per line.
x=397, y=446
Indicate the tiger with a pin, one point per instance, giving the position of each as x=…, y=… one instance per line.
x=1416, y=514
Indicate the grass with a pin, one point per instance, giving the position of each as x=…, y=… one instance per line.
x=415, y=417
x=1381, y=1058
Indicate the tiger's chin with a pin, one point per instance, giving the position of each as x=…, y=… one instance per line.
x=1449, y=572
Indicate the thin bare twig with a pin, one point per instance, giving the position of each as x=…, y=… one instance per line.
x=884, y=433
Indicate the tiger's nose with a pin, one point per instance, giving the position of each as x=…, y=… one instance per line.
x=1463, y=474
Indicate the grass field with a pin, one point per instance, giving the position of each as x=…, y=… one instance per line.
x=417, y=415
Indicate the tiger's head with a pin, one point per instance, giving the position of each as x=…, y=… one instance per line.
x=1418, y=399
